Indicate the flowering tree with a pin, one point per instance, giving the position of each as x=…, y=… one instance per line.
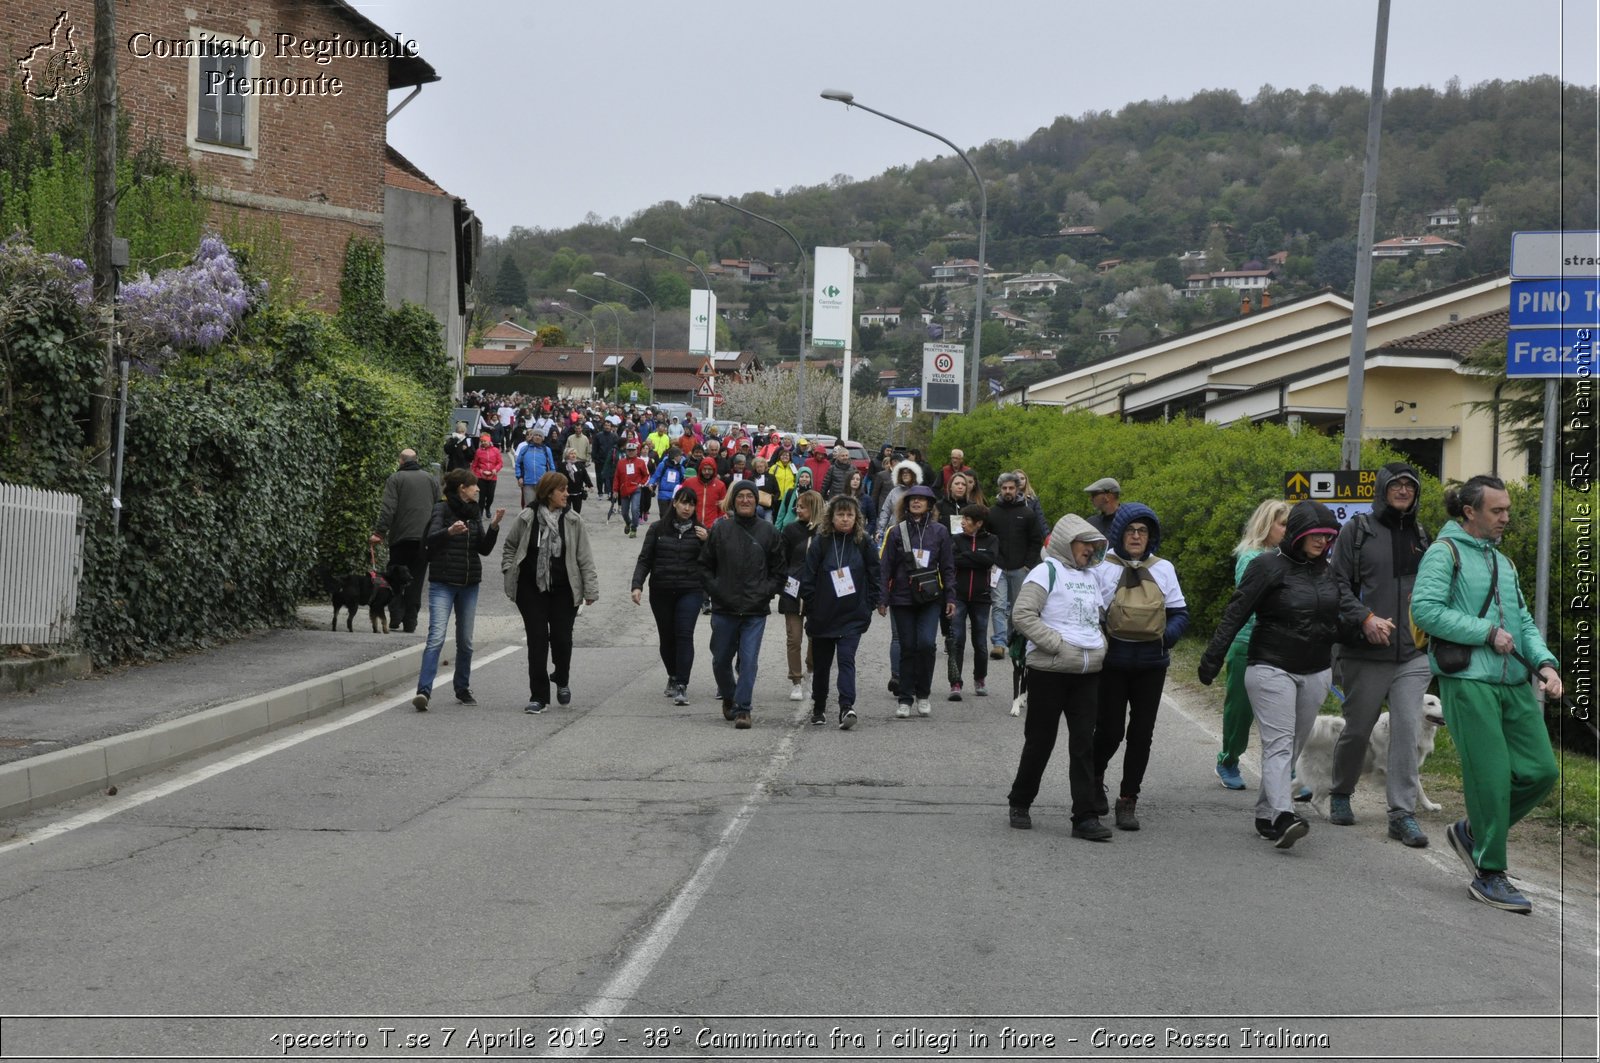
x=194, y=307
x=769, y=397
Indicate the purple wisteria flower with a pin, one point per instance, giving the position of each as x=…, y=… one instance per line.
x=195, y=307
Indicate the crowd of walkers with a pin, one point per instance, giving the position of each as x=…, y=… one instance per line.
x=1086, y=609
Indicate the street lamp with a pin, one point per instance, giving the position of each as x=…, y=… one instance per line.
x=617, y=319
x=849, y=100
x=594, y=337
x=652, y=302
x=711, y=326
x=800, y=378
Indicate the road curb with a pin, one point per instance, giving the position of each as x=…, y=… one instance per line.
x=27, y=785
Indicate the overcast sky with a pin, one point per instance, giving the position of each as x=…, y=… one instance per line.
x=549, y=110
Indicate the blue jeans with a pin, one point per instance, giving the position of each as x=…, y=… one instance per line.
x=741, y=634
x=824, y=650
x=976, y=616
x=918, y=629
x=630, y=511
x=442, y=597
x=1003, y=597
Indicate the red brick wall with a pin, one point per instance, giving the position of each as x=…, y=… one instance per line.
x=317, y=151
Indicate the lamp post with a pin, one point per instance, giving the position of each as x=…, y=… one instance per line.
x=652, y=302
x=711, y=326
x=617, y=320
x=800, y=378
x=594, y=338
x=849, y=100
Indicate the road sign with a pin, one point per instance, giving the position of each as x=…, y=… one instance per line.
x=904, y=408
x=717, y=400
x=1347, y=485
x=706, y=370
x=1550, y=352
x=1570, y=302
x=904, y=393
x=942, y=367
x=1573, y=253
x=708, y=388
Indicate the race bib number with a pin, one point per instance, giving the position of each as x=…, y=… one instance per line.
x=791, y=587
x=955, y=524
x=994, y=577
x=921, y=558
x=844, y=583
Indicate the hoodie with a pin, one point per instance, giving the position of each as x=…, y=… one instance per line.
x=1294, y=599
x=1122, y=653
x=1375, y=563
x=710, y=491
x=1062, y=622
x=891, y=497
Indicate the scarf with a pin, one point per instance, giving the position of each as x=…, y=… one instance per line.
x=548, y=529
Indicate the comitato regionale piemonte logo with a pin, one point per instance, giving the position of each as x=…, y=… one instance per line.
x=55, y=68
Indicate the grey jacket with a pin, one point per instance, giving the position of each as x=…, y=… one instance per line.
x=579, y=556
x=1387, y=546
x=1053, y=649
x=409, y=495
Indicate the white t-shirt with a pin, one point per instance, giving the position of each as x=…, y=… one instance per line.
x=1073, y=609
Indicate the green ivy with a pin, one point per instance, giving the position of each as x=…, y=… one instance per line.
x=361, y=301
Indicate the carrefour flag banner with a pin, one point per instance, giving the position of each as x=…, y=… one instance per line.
x=833, y=299
x=702, y=320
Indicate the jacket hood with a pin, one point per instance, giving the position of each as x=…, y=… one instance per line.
x=803, y=471
x=1070, y=529
x=916, y=472
x=1126, y=514
x=708, y=465
x=1386, y=476
x=1304, y=518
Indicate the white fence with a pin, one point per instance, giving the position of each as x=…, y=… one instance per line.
x=41, y=559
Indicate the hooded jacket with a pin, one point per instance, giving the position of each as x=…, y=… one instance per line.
x=668, y=475
x=1062, y=623
x=1375, y=563
x=1295, y=602
x=1445, y=604
x=837, y=478
x=1122, y=653
x=742, y=564
x=891, y=496
x=710, y=492
x=896, y=564
x=670, y=556
x=803, y=481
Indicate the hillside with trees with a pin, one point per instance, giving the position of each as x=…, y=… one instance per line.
x=1124, y=206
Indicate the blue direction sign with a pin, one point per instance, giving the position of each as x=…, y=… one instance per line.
x=904, y=393
x=1568, y=302
x=1550, y=352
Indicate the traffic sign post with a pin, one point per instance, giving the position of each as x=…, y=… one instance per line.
x=942, y=365
x=1347, y=492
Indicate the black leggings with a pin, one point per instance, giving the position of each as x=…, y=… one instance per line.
x=547, y=619
x=676, y=614
x=1129, y=701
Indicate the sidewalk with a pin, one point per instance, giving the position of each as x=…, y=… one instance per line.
x=72, y=738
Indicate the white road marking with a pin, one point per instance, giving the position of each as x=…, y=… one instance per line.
x=210, y=771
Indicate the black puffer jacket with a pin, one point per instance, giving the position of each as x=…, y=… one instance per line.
x=742, y=565
x=1016, y=526
x=457, y=559
x=1295, y=602
x=670, y=557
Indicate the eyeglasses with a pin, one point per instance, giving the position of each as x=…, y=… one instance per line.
x=1136, y=530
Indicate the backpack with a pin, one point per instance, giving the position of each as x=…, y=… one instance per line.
x=1138, y=613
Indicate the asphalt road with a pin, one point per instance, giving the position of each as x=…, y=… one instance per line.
x=645, y=871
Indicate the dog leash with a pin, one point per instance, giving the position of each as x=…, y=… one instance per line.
x=372, y=555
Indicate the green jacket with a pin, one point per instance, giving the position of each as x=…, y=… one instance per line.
x=1449, y=610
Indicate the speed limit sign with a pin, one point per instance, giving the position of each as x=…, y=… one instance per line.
x=942, y=365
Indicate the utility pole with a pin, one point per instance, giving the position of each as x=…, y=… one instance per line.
x=105, y=219
x=1356, y=387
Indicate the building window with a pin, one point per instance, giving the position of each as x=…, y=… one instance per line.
x=223, y=116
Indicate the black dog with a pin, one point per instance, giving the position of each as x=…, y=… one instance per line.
x=386, y=596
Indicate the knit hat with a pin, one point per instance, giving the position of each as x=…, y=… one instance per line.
x=740, y=485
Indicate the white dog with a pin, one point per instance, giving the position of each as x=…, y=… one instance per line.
x=1315, y=766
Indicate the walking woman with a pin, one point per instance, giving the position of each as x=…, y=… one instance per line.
x=1146, y=616
x=1263, y=533
x=839, y=585
x=856, y=488
x=578, y=483
x=919, y=574
x=1058, y=609
x=486, y=464
x=955, y=499
x=671, y=558
x=796, y=539
x=549, y=569
x=456, y=540
x=1294, y=598
x=786, y=511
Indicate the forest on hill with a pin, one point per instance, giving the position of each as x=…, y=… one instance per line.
x=1158, y=190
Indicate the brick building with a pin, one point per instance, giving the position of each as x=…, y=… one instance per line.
x=279, y=106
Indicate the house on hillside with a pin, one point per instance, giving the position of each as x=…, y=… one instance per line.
x=1034, y=284
x=1450, y=217
x=747, y=270
x=957, y=271
x=509, y=336
x=1289, y=363
x=1244, y=280
x=888, y=317
x=1407, y=246
x=1009, y=319
x=282, y=139
x=861, y=251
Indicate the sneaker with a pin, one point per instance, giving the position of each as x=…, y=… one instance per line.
x=902, y=711
x=1339, y=813
x=818, y=717
x=420, y=702
x=533, y=708
x=955, y=693
x=1264, y=828
x=924, y=707
x=563, y=695
x=1126, y=820
x=465, y=697
x=1289, y=828
x=1091, y=830
x=797, y=692
x=1020, y=818
x=741, y=719
x=727, y=709
x=847, y=719
x=997, y=653
x=1460, y=838
x=681, y=695
x=1302, y=792
x=1229, y=774
x=672, y=689
x=1404, y=829
x=980, y=690
x=1102, y=801
x=1495, y=890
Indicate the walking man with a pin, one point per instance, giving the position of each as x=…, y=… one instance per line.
x=1467, y=592
x=409, y=495
x=742, y=565
x=1105, y=495
x=1375, y=565
x=1012, y=522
